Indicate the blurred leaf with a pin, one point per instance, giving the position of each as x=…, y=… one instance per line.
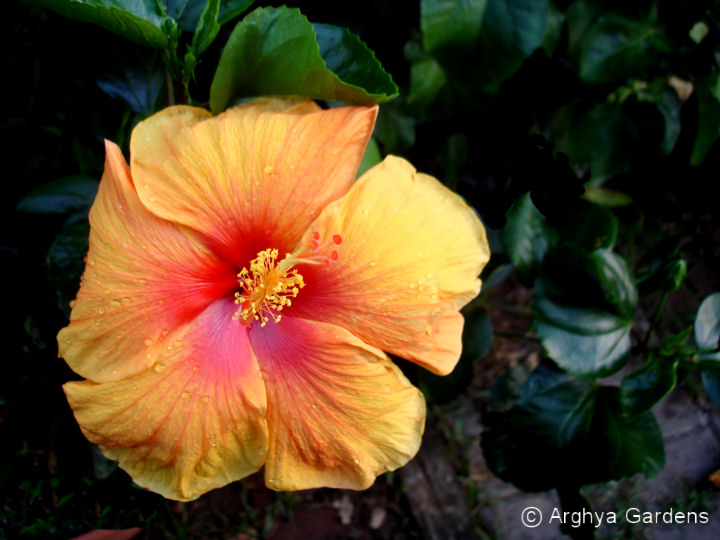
x=583, y=309
x=553, y=29
x=709, y=119
x=602, y=137
x=526, y=237
x=427, y=81
x=504, y=392
x=137, y=20
x=477, y=334
x=607, y=197
x=371, y=157
x=616, y=47
x=102, y=466
x=707, y=323
x=65, y=261
x=699, y=31
x=668, y=103
x=395, y=130
x=511, y=31
x=569, y=431
x=480, y=43
x=592, y=227
x=711, y=383
x=496, y=277
x=140, y=88
x=643, y=388
x=451, y=24
x=276, y=51
x=62, y=196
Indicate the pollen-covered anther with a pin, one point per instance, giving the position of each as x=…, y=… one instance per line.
x=267, y=288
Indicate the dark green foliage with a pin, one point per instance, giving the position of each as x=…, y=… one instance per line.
x=582, y=132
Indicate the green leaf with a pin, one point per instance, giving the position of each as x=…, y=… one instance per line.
x=479, y=44
x=65, y=195
x=229, y=9
x=707, y=323
x=276, y=51
x=371, y=157
x=616, y=48
x=601, y=137
x=583, y=309
x=592, y=227
x=709, y=119
x=451, y=24
x=565, y=431
x=511, y=31
x=137, y=20
x=643, y=388
x=711, y=383
x=207, y=28
x=526, y=236
x=188, y=12
x=142, y=89
x=477, y=334
x=65, y=261
x=606, y=197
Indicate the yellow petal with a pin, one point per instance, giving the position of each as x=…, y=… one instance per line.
x=143, y=280
x=193, y=422
x=253, y=177
x=339, y=412
x=410, y=255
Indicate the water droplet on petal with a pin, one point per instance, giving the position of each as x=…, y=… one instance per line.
x=73, y=303
x=185, y=395
x=115, y=303
x=148, y=342
x=101, y=309
x=268, y=169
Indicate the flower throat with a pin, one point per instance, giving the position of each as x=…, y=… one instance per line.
x=269, y=287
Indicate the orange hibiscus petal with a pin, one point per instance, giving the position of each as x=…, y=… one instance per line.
x=410, y=255
x=252, y=177
x=339, y=412
x=143, y=279
x=193, y=422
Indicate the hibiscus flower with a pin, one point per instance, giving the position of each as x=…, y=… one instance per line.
x=240, y=289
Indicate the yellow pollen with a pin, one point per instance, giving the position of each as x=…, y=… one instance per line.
x=267, y=287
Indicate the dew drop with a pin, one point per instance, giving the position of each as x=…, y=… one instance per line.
x=434, y=297
x=356, y=460
x=206, y=398
x=97, y=321
x=263, y=374
x=114, y=371
x=429, y=275
x=177, y=342
x=148, y=342
x=165, y=332
x=68, y=340
x=101, y=309
x=115, y=303
x=126, y=300
x=185, y=395
x=196, y=368
x=73, y=303
x=231, y=222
